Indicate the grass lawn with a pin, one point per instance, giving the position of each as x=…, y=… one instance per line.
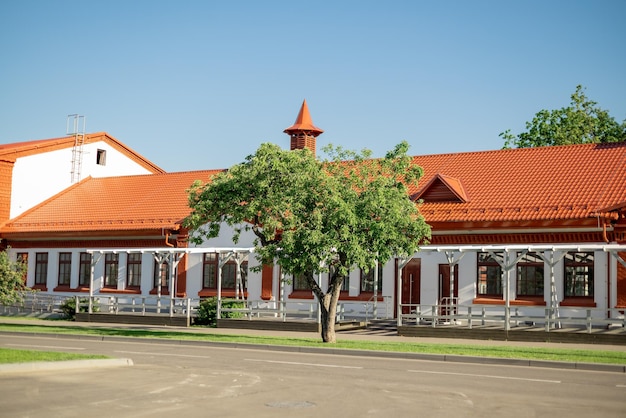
x=10, y=355
x=555, y=354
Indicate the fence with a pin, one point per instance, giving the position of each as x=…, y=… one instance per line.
x=309, y=310
x=471, y=315
x=36, y=303
x=138, y=305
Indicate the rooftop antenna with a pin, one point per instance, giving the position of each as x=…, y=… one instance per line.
x=75, y=126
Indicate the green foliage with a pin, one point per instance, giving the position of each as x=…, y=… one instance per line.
x=10, y=355
x=12, y=283
x=403, y=345
x=207, y=311
x=313, y=216
x=68, y=307
x=581, y=122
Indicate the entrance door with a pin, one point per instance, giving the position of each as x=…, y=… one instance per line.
x=445, y=301
x=411, y=284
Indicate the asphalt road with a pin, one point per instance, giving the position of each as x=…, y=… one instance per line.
x=172, y=380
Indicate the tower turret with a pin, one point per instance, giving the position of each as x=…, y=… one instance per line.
x=303, y=133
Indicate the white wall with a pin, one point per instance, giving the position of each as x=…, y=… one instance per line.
x=429, y=276
x=38, y=177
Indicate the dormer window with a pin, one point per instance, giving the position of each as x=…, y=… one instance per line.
x=443, y=188
x=101, y=157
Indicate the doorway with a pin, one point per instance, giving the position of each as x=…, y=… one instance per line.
x=411, y=283
x=448, y=302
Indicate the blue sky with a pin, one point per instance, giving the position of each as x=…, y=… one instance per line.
x=200, y=84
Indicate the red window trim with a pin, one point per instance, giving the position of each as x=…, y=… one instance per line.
x=526, y=301
x=121, y=291
x=164, y=291
x=583, y=301
x=228, y=293
x=301, y=294
x=365, y=296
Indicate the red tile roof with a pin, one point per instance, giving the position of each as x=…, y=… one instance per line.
x=112, y=204
x=544, y=183
x=547, y=185
x=10, y=152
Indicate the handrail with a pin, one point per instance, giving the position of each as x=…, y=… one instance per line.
x=466, y=315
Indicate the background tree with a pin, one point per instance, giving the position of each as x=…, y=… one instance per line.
x=312, y=217
x=579, y=123
x=12, y=283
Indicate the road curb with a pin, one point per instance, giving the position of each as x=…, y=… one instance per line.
x=602, y=367
x=38, y=366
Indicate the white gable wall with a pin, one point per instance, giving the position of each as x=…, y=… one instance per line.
x=41, y=176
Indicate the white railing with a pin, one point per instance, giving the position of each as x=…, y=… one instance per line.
x=36, y=302
x=138, y=305
x=471, y=315
x=283, y=310
x=308, y=310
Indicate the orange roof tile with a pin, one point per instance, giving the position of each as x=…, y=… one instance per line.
x=304, y=123
x=544, y=183
x=112, y=204
x=547, y=184
x=10, y=152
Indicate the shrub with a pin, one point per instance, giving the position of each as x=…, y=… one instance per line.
x=69, y=307
x=207, y=311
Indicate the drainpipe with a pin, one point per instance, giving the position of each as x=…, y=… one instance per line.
x=612, y=217
x=606, y=221
x=167, y=237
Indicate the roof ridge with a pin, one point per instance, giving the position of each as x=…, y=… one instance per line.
x=165, y=173
x=26, y=148
x=526, y=149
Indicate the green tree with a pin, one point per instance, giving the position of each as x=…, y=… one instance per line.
x=313, y=216
x=12, y=283
x=579, y=123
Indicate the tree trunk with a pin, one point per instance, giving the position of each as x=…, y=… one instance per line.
x=328, y=307
x=328, y=319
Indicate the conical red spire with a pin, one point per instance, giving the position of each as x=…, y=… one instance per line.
x=303, y=132
x=304, y=123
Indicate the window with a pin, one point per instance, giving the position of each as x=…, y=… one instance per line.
x=489, y=275
x=23, y=258
x=65, y=268
x=101, y=157
x=84, y=270
x=300, y=283
x=345, y=284
x=41, y=269
x=530, y=275
x=133, y=270
x=162, y=277
x=229, y=273
x=111, y=269
x=578, y=274
x=209, y=271
x=367, y=279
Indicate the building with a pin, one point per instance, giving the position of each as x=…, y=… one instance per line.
x=34, y=171
x=533, y=228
